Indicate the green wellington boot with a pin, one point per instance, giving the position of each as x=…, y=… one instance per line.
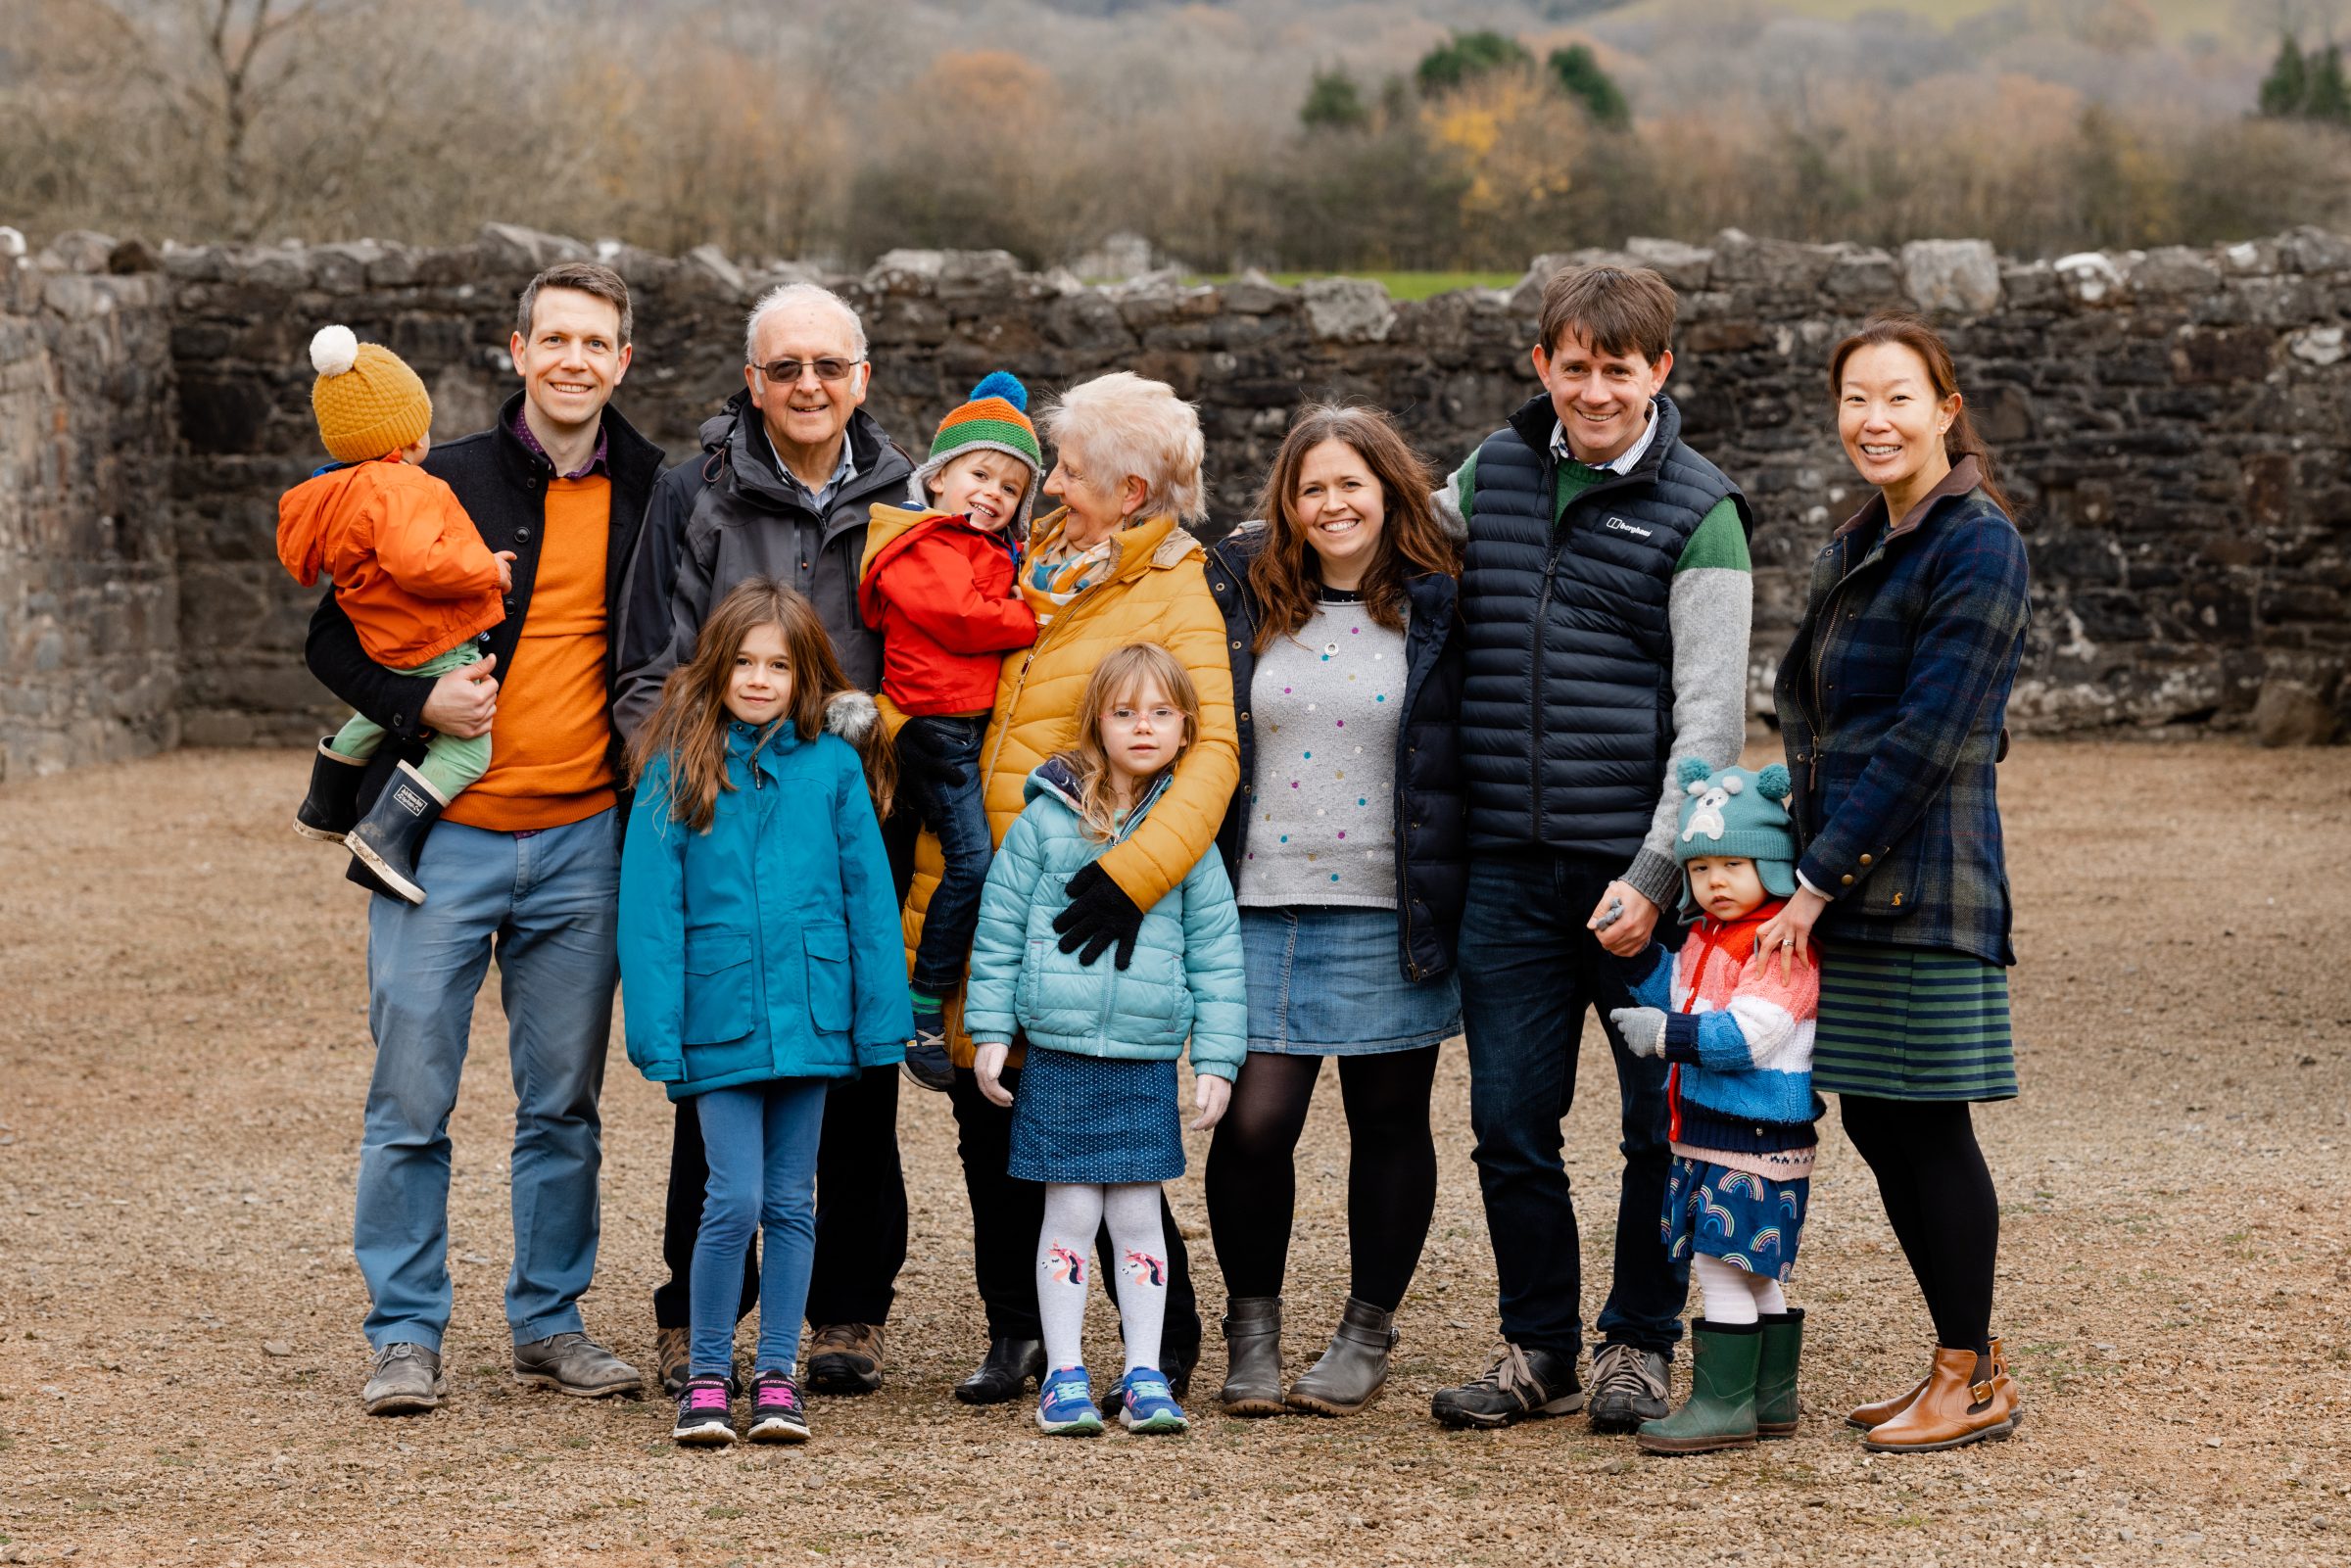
x=1776, y=1410
x=1720, y=1412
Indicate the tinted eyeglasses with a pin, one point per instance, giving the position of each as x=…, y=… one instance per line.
x=786, y=372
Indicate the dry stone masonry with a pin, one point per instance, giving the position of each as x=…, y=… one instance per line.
x=2176, y=424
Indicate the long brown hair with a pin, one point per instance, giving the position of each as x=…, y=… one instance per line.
x=689, y=725
x=1287, y=576
x=1125, y=673
x=1912, y=332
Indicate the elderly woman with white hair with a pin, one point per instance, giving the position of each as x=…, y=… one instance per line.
x=1112, y=565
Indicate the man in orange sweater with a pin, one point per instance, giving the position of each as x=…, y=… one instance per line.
x=524, y=863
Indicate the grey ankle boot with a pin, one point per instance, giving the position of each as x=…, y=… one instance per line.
x=1252, y=1356
x=1353, y=1372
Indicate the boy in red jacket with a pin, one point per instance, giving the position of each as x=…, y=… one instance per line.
x=411, y=572
x=938, y=585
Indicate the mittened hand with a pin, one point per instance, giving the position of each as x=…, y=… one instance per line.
x=1099, y=915
x=1642, y=1028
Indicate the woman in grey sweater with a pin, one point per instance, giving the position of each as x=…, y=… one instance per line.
x=1346, y=846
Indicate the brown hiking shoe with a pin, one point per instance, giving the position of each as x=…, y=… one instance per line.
x=673, y=1359
x=845, y=1358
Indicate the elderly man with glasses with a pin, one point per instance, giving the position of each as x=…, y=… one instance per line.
x=781, y=488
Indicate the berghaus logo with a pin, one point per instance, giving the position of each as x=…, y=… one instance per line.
x=1623, y=526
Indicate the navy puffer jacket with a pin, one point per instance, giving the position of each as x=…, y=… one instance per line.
x=1431, y=817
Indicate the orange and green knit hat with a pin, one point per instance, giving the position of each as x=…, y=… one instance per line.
x=367, y=400
x=995, y=417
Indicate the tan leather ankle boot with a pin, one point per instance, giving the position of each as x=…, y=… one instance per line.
x=1961, y=1403
x=1877, y=1414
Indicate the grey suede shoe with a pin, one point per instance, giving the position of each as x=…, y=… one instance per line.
x=1353, y=1372
x=574, y=1364
x=406, y=1380
x=1252, y=1356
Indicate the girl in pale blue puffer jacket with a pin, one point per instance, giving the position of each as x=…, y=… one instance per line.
x=1095, y=1116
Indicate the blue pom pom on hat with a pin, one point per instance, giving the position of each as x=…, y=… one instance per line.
x=1001, y=384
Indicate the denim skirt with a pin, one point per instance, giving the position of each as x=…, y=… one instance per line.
x=1324, y=982
x=1092, y=1119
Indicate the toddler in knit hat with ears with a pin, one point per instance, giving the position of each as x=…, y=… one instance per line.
x=1737, y=1026
x=939, y=582
x=411, y=572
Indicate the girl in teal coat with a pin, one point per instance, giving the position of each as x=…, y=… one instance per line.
x=1095, y=1116
x=759, y=958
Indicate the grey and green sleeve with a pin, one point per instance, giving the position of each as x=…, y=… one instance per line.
x=1452, y=498
x=1710, y=608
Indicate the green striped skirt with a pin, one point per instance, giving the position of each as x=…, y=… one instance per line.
x=1912, y=1024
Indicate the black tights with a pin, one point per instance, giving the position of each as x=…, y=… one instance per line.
x=1938, y=1198
x=1391, y=1170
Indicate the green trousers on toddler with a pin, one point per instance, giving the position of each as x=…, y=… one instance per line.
x=450, y=763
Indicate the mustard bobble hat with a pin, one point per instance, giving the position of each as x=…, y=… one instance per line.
x=367, y=400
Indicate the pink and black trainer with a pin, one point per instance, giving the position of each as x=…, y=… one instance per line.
x=703, y=1417
x=775, y=1414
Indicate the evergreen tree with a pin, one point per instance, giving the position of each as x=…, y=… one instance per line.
x=1469, y=55
x=1581, y=78
x=2288, y=85
x=2329, y=97
x=1333, y=102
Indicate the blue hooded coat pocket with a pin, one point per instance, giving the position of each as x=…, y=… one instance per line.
x=830, y=1000
x=718, y=987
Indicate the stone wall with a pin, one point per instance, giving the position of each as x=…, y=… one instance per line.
x=89, y=612
x=2176, y=427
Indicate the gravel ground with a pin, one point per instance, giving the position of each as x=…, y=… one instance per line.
x=183, y=1052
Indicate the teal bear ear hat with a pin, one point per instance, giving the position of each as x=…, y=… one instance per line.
x=1738, y=815
x=994, y=418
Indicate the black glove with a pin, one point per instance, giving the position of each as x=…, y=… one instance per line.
x=922, y=752
x=1099, y=914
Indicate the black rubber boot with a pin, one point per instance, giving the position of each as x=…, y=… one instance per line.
x=387, y=839
x=332, y=807
x=1010, y=1366
x=1252, y=1356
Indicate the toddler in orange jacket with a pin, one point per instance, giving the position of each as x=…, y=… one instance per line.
x=411, y=572
x=940, y=584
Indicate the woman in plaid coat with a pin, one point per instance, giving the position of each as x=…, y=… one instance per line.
x=1890, y=701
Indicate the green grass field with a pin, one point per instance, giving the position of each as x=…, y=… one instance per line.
x=1400, y=285
x=2178, y=18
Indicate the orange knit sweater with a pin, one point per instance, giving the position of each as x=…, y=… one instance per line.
x=551, y=743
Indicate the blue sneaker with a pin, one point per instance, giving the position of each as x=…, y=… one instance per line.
x=1149, y=1405
x=1065, y=1405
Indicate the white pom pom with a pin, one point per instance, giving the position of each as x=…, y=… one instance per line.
x=1697, y=786
x=1733, y=784
x=334, y=351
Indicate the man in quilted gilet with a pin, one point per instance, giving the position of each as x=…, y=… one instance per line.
x=1607, y=596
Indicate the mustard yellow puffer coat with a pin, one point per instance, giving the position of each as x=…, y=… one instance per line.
x=1157, y=593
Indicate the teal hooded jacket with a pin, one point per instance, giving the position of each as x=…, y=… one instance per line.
x=767, y=947
x=1185, y=978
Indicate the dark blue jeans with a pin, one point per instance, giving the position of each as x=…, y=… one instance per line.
x=955, y=814
x=1528, y=970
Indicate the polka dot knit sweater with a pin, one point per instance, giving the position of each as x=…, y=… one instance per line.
x=1325, y=704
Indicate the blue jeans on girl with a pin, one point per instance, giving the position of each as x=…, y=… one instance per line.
x=761, y=1141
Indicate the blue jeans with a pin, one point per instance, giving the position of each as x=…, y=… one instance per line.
x=1528, y=969
x=760, y=1140
x=546, y=904
x=956, y=815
